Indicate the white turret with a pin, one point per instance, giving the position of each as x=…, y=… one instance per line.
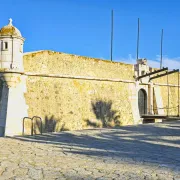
x=13, y=82
x=11, y=48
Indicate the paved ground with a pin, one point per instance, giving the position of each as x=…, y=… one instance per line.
x=135, y=152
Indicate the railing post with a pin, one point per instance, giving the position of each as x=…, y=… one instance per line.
x=23, y=124
x=23, y=128
x=40, y=121
x=32, y=127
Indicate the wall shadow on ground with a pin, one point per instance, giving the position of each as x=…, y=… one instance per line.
x=150, y=143
x=105, y=115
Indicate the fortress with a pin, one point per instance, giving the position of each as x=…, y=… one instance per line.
x=72, y=92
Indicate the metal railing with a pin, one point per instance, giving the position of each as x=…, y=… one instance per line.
x=37, y=117
x=153, y=110
x=32, y=124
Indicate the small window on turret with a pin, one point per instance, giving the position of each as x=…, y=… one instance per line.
x=5, y=45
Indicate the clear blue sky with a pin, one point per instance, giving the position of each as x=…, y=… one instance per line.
x=82, y=27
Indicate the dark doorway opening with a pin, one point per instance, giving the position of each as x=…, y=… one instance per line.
x=142, y=102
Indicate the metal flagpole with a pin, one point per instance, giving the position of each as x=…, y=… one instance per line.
x=162, y=33
x=168, y=94
x=138, y=39
x=112, y=32
x=178, y=94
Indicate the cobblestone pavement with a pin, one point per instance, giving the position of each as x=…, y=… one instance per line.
x=150, y=151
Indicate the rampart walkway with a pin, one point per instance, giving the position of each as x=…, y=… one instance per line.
x=133, y=152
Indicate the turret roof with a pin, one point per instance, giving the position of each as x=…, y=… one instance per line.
x=10, y=30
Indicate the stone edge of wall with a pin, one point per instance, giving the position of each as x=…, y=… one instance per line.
x=34, y=53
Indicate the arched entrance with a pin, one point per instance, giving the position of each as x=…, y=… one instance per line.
x=142, y=101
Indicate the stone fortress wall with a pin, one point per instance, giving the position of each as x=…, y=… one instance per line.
x=87, y=92
x=73, y=92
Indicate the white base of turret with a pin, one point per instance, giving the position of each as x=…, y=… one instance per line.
x=13, y=110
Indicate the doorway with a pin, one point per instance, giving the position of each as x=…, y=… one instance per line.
x=142, y=101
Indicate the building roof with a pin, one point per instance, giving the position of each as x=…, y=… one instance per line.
x=10, y=30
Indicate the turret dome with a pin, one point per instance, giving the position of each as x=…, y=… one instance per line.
x=10, y=30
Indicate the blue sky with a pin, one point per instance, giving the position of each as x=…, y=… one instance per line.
x=82, y=27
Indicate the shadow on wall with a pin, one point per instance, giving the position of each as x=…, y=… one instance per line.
x=49, y=124
x=105, y=115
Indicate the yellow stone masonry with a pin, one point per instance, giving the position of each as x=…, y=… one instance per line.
x=77, y=103
x=60, y=63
